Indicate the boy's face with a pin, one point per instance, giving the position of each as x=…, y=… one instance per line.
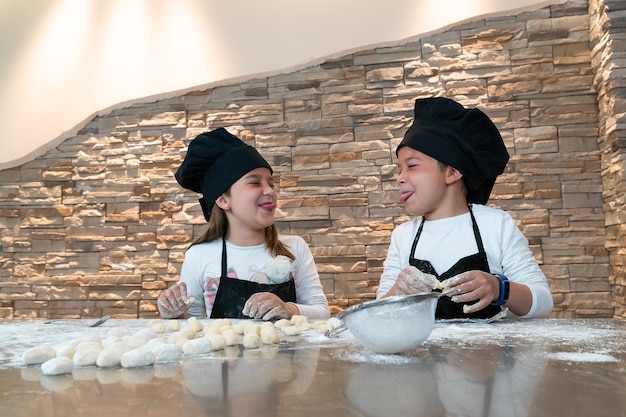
x=423, y=183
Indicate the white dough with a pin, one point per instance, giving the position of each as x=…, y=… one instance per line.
x=137, y=358
x=112, y=356
x=297, y=320
x=239, y=327
x=38, y=354
x=159, y=327
x=217, y=341
x=66, y=350
x=135, y=340
x=86, y=356
x=188, y=332
x=198, y=346
x=88, y=345
x=173, y=325
x=291, y=330
x=250, y=327
x=251, y=340
x=269, y=335
x=165, y=353
x=195, y=324
x=147, y=333
x=57, y=366
x=118, y=332
x=282, y=323
x=231, y=337
x=218, y=323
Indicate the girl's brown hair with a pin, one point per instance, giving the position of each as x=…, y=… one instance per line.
x=217, y=227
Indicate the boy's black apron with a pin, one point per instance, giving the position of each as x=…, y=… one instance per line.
x=232, y=293
x=446, y=309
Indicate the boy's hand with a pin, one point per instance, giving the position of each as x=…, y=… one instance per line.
x=413, y=281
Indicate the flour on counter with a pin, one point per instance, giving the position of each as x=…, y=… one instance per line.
x=582, y=357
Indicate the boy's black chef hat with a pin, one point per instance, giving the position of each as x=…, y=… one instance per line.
x=215, y=160
x=465, y=139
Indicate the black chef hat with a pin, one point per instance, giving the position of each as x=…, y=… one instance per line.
x=465, y=139
x=215, y=160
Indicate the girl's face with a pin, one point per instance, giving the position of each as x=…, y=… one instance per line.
x=423, y=183
x=251, y=201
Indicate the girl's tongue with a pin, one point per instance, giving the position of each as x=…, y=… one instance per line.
x=268, y=206
x=405, y=196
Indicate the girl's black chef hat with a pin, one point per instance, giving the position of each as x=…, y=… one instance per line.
x=465, y=139
x=215, y=160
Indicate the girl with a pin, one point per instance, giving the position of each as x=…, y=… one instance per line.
x=240, y=267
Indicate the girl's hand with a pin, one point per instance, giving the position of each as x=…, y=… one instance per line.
x=268, y=306
x=173, y=302
x=471, y=286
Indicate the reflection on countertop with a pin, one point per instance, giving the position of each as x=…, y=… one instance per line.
x=510, y=368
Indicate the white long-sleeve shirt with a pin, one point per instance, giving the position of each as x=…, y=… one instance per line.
x=202, y=268
x=443, y=242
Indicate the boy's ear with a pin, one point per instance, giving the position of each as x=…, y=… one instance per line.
x=223, y=202
x=453, y=175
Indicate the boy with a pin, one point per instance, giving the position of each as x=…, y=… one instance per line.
x=449, y=160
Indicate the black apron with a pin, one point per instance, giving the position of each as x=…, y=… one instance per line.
x=446, y=308
x=232, y=293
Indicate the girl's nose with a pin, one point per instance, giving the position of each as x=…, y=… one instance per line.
x=268, y=190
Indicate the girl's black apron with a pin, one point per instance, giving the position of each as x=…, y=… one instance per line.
x=446, y=309
x=232, y=293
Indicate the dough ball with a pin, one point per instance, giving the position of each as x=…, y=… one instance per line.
x=210, y=330
x=112, y=356
x=217, y=341
x=231, y=337
x=198, y=346
x=282, y=323
x=325, y=327
x=159, y=328
x=195, y=324
x=250, y=327
x=251, y=340
x=188, y=332
x=147, y=333
x=66, y=350
x=136, y=358
x=217, y=323
x=57, y=366
x=335, y=322
x=153, y=322
x=165, y=353
x=38, y=354
x=135, y=340
x=269, y=335
x=298, y=320
x=118, y=331
x=110, y=341
x=86, y=357
x=239, y=327
x=88, y=345
x=173, y=325
x=292, y=330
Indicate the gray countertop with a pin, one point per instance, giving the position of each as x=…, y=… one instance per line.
x=542, y=368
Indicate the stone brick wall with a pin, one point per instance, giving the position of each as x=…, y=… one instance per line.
x=608, y=43
x=99, y=225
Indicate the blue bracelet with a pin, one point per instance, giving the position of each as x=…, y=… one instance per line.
x=505, y=287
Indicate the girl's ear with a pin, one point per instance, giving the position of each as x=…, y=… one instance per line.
x=453, y=175
x=223, y=202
